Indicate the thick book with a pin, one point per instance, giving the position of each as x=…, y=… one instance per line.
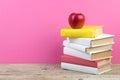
x=104, y=39
x=86, y=69
x=79, y=61
x=85, y=32
x=91, y=57
x=86, y=49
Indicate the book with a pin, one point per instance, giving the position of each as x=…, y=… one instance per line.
x=85, y=32
x=79, y=61
x=86, y=69
x=83, y=55
x=104, y=39
x=86, y=49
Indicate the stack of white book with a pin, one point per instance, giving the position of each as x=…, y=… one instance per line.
x=79, y=52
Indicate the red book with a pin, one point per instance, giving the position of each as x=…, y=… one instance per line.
x=80, y=61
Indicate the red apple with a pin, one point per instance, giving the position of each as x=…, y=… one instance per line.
x=76, y=20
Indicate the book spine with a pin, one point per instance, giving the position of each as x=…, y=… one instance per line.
x=81, y=68
x=81, y=41
x=76, y=53
x=74, y=46
x=79, y=61
x=78, y=33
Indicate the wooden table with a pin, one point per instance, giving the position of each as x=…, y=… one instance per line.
x=51, y=72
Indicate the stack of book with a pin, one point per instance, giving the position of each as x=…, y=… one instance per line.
x=87, y=49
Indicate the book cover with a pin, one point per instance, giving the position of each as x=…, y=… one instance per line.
x=85, y=32
x=86, y=69
x=80, y=61
x=104, y=39
x=86, y=49
x=91, y=57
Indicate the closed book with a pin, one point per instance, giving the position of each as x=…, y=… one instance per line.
x=91, y=57
x=85, y=32
x=104, y=39
x=86, y=49
x=79, y=61
x=86, y=69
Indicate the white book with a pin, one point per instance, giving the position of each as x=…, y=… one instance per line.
x=85, y=69
x=91, y=57
x=87, y=49
x=104, y=39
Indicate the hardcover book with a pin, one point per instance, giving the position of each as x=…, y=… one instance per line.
x=79, y=61
x=86, y=69
x=85, y=32
x=83, y=55
x=86, y=49
x=104, y=39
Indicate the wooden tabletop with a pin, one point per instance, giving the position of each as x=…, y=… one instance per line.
x=51, y=72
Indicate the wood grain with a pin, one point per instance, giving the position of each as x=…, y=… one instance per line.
x=49, y=72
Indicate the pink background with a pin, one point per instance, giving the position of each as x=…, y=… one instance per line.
x=29, y=29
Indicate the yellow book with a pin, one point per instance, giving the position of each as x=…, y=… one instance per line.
x=85, y=32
